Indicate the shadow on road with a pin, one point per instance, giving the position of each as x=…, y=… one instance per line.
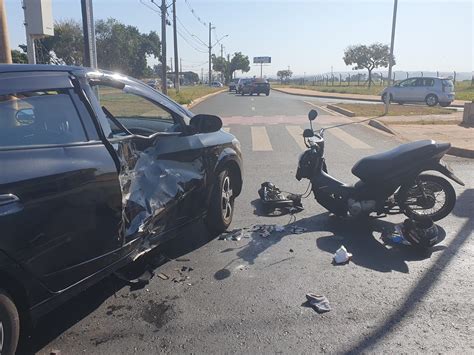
x=79, y=307
x=465, y=209
x=362, y=239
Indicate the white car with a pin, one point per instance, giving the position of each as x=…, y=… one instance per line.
x=217, y=84
x=430, y=90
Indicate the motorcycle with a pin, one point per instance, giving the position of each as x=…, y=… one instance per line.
x=393, y=182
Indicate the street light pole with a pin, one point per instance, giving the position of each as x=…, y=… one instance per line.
x=210, y=49
x=164, y=88
x=392, y=42
x=5, y=52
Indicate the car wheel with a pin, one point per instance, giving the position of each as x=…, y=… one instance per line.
x=267, y=93
x=444, y=104
x=431, y=100
x=221, y=207
x=9, y=325
x=258, y=94
x=400, y=102
x=384, y=96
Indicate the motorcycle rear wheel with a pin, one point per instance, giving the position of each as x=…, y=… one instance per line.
x=429, y=196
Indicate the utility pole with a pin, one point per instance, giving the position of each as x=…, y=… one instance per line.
x=222, y=56
x=5, y=52
x=392, y=42
x=210, y=59
x=176, y=71
x=181, y=65
x=88, y=28
x=171, y=63
x=202, y=75
x=390, y=61
x=164, y=87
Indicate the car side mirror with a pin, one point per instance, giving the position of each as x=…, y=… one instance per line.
x=307, y=133
x=206, y=123
x=312, y=115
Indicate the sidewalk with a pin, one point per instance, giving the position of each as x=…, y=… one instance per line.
x=333, y=95
x=411, y=128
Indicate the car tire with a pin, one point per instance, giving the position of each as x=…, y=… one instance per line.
x=258, y=94
x=267, y=93
x=431, y=100
x=390, y=98
x=221, y=206
x=444, y=104
x=9, y=325
x=400, y=102
x=242, y=93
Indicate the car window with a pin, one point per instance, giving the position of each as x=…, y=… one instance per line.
x=418, y=82
x=39, y=118
x=447, y=83
x=408, y=83
x=133, y=110
x=428, y=82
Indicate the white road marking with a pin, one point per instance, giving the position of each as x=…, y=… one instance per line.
x=226, y=129
x=297, y=133
x=349, y=139
x=325, y=109
x=260, y=139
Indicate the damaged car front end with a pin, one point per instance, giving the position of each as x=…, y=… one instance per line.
x=97, y=170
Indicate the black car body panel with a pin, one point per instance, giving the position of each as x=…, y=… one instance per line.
x=74, y=208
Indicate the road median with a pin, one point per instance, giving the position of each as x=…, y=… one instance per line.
x=343, y=96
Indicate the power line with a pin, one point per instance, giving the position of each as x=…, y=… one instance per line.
x=195, y=14
x=191, y=44
x=201, y=42
x=151, y=8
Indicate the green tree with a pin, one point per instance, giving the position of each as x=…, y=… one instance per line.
x=221, y=65
x=368, y=57
x=123, y=48
x=284, y=75
x=67, y=44
x=238, y=62
x=19, y=57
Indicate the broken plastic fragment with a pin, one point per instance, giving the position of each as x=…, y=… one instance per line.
x=342, y=256
x=319, y=302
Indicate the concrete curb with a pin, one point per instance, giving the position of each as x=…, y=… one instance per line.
x=329, y=96
x=379, y=125
x=203, y=98
x=341, y=110
x=455, y=151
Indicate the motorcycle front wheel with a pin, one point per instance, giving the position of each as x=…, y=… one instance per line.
x=429, y=196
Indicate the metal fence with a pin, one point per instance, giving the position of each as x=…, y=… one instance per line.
x=361, y=79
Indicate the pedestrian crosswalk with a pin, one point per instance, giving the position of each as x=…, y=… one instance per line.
x=262, y=141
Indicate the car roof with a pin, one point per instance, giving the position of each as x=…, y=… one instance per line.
x=15, y=68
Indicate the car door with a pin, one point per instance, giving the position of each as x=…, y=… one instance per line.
x=163, y=178
x=60, y=198
x=406, y=90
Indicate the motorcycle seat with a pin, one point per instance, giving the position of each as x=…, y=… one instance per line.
x=405, y=156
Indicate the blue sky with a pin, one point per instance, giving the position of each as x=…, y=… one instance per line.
x=308, y=36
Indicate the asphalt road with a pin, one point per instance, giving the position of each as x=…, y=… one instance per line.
x=248, y=296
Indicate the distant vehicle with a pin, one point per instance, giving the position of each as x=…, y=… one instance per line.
x=233, y=84
x=217, y=84
x=154, y=83
x=430, y=90
x=256, y=86
x=241, y=83
x=169, y=84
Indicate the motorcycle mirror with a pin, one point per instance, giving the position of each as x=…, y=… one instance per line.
x=312, y=115
x=307, y=133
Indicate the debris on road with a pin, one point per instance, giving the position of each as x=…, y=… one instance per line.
x=273, y=198
x=163, y=276
x=319, y=302
x=396, y=236
x=262, y=230
x=291, y=250
x=141, y=281
x=342, y=256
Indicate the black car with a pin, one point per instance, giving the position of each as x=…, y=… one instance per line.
x=88, y=185
x=255, y=86
x=233, y=84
